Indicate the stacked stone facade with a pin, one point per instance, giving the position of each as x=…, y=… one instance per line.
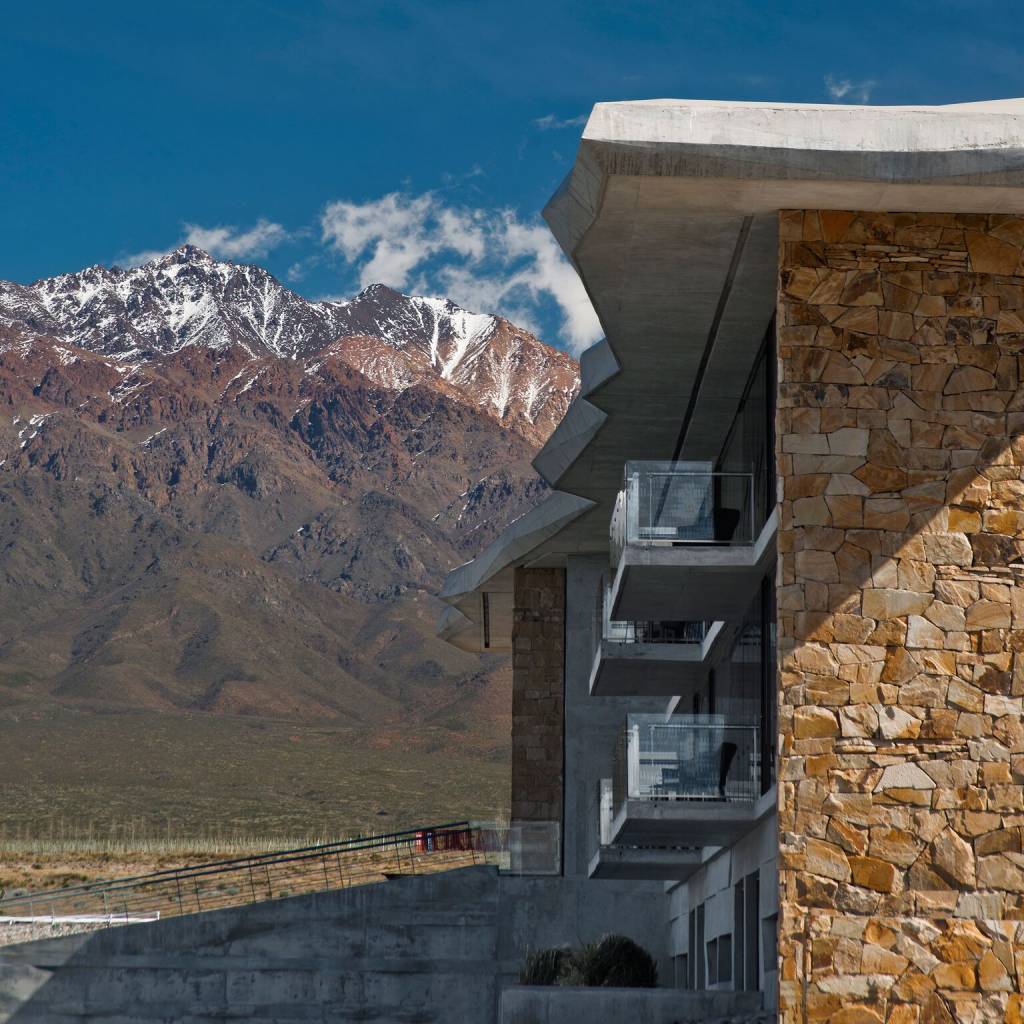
x=538, y=695
x=901, y=617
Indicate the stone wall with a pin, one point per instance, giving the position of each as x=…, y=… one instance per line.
x=538, y=694
x=901, y=617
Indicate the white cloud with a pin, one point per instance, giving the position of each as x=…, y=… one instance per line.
x=485, y=260
x=552, y=122
x=136, y=259
x=223, y=241
x=844, y=88
x=230, y=243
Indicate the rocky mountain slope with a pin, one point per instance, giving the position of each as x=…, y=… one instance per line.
x=188, y=299
x=218, y=498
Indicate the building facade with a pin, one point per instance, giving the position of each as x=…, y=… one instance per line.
x=767, y=628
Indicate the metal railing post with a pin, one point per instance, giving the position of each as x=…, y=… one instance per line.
x=633, y=762
x=633, y=509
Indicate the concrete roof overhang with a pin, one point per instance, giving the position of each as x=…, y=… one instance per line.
x=670, y=216
x=479, y=592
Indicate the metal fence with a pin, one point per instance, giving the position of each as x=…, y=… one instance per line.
x=270, y=876
x=691, y=757
x=683, y=503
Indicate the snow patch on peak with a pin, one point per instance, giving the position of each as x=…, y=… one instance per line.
x=469, y=332
x=188, y=298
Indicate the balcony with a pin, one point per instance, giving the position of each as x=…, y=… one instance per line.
x=652, y=658
x=654, y=863
x=687, y=543
x=692, y=781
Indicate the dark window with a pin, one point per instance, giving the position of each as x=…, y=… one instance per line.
x=713, y=962
x=750, y=444
x=738, y=909
x=698, y=950
x=724, y=958
x=691, y=945
x=682, y=971
x=769, y=684
x=769, y=935
x=752, y=894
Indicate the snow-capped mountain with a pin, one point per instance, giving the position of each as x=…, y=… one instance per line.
x=188, y=298
x=220, y=499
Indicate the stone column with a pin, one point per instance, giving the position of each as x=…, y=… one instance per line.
x=901, y=617
x=538, y=702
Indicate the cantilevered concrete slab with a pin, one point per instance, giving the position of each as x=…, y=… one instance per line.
x=656, y=669
x=691, y=582
x=480, y=591
x=687, y=822
x=627, y=862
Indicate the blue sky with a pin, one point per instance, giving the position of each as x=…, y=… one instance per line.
x=342, y=142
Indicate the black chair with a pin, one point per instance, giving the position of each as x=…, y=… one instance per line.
x=726, y=520
x=727, y=755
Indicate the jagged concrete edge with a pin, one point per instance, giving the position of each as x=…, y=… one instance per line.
x=568, y=440
x=515, y=542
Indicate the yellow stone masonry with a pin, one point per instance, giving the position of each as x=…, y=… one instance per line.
x=901, y=617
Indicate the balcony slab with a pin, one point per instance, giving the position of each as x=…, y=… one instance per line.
x=688, y=822
x=691, y=582
x=653, y=864
x=655, y=669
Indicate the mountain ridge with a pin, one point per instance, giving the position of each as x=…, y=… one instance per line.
x=216, y=531
x=187, y=298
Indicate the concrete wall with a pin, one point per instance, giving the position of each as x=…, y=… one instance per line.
x=626, y=1006
x=592, y=724
x=712, y=886
x=434, y=948
x=901, y=617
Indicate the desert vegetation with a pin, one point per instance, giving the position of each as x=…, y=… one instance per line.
x=614, y=961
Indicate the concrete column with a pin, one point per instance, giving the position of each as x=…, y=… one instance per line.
x=538, y=695
x=901, y=617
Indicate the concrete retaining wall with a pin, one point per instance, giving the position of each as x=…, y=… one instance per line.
x=531, y=1005
x=433, y=948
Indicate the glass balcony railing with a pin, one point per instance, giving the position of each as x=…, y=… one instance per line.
x=646, y=631
x=689, y=758
x=683, y=503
